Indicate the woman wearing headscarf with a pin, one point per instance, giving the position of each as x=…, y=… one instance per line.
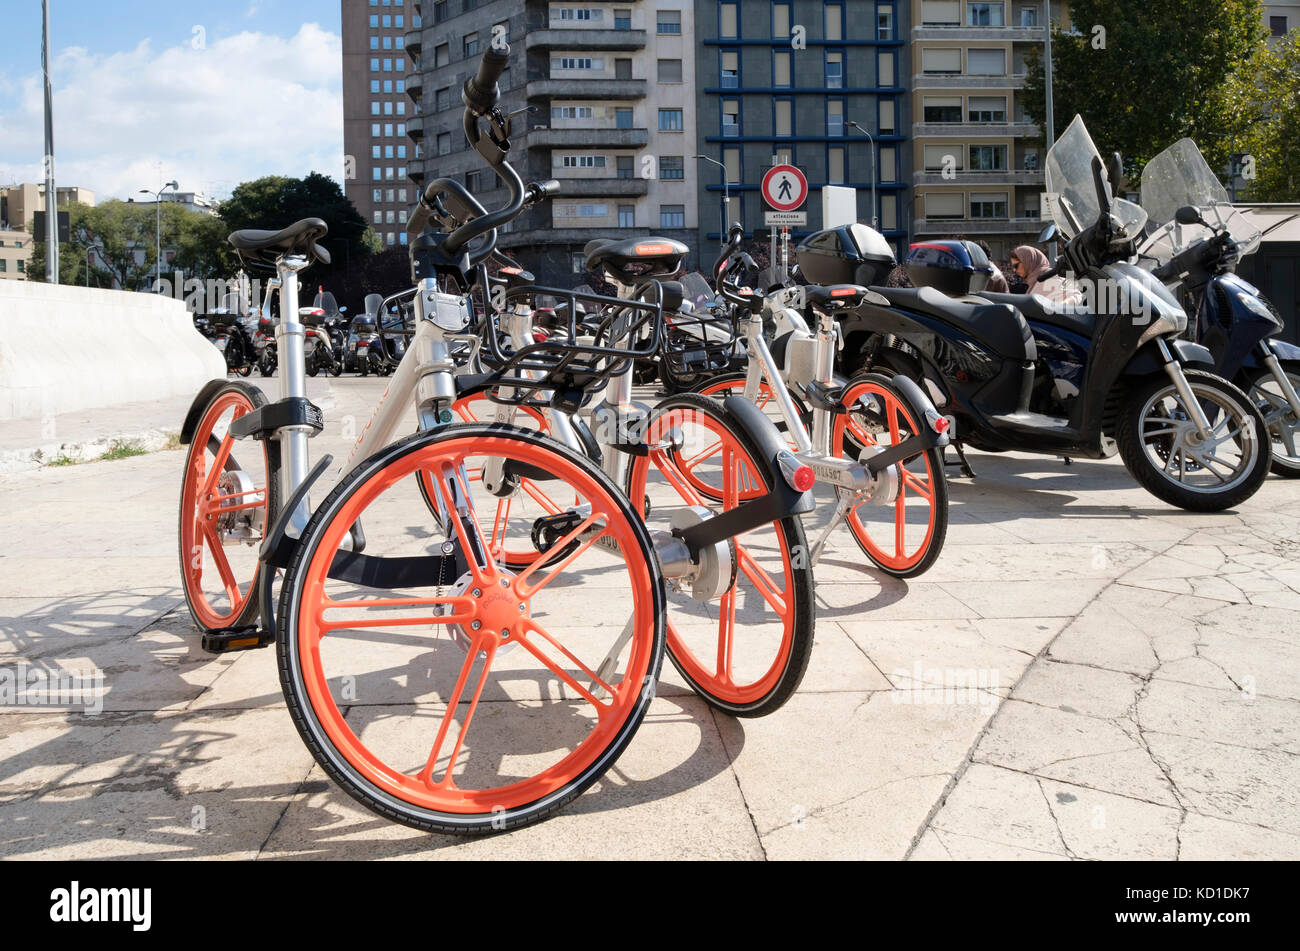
x=1030, y=264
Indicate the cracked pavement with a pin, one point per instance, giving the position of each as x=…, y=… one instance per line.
x=1085, y=673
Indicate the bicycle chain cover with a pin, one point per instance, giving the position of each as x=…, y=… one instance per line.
x=578, y=357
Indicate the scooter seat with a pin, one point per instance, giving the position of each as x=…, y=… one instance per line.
x=1039, y=310
x=997, y=325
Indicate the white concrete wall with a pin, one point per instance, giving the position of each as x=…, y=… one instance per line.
x=64, y=349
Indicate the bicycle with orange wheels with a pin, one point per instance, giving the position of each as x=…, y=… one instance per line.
x=878, y=440
x=437, y=680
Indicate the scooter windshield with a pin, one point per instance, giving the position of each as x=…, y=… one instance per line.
x=1072, y=195
x=1181, y=176
x=697, y=290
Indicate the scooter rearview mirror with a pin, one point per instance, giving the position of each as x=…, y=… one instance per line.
x=1189, y=215
x=1116, y=173
x=1049, y=234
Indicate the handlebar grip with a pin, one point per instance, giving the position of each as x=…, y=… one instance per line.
x=481, y=93
x=540, y=191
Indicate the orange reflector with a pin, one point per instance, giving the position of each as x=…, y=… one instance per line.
x=644, y=249
x=844, y=292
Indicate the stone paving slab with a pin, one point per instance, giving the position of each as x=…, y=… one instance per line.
x=1085, y=674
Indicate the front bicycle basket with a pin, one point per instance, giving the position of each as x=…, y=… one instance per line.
x=591, y=340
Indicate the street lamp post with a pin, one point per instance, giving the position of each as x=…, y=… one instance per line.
x=157, y=233
x=726, y=196
x=875, y=217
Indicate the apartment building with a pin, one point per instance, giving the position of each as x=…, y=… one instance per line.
x=18, y=207
x=604, y=96
x=978, y=164
x=376, y=112
x=1281, y=19
x=784, y=81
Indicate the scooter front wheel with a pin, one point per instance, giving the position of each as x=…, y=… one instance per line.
x=1283, y=424
x=902, y=528
x=1163, y=450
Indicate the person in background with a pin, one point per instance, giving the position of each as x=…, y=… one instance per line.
x=1030, y=263
x=998, y=282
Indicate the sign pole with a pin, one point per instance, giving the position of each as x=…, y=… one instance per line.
x=51, y=194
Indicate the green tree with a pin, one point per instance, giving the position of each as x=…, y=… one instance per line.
x=275, y=202
x=1268, y=96
x=1155, y=72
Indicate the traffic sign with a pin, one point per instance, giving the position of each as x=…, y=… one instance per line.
x=785, y=188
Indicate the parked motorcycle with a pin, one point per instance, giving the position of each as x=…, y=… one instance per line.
x=231, y=337
x=1194, y=249
x=365, y=352
x=319, y=344
x=1021, y=373
x=268, y=351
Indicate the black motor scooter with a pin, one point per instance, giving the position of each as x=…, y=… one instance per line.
x=1194, y=249
x=1020, y=373
x=231, y=337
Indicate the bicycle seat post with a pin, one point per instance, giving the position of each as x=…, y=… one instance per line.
x=290, y=338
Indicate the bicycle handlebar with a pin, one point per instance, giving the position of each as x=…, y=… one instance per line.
x=481, y=93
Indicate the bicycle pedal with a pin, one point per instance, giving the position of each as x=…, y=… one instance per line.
x=231, y=639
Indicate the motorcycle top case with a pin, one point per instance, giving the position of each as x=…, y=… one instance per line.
x=955, y=268
x=849, y=254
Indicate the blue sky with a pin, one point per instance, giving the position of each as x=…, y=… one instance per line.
x=209, y=93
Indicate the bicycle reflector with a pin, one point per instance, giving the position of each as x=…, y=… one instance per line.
x=940, y=424
x=798, y=476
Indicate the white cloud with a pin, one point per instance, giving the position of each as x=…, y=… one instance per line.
x=245, y=106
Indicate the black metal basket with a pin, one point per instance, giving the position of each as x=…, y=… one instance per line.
x=580, y=356
x=697, y=346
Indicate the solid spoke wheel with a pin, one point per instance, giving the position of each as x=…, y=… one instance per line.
x=1162, y=449
x=229, y=496
x=512, y=552
x=745, y=649
x=903, y=530
x=489, y=700
x=1283, y=425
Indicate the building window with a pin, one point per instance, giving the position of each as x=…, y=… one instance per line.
x=942, y=61
x=988, y=206
x=442, y=55
x=781, y=70
x=731, y=159
x=670, y=70
x=578, y=262
x=834, y=22
x=623, y=117
x=834, y=69
x=670, y=120
x=582, y=161
x=622, y=19
x=626, y=166
x=780, y=21
x=577, y=62
x=940, y=13
x=669, y=22
x=672, y=168
x=886, y=112
x=942, y=109
x=888, y=164
x=940, y=157
x=987, y=109
x=627, y=216
x=988, y=158
x=728, y=21
x=944, y=205
x=1277, y=26
x=731, y=118
x=835, y=117
x=672, y=216
x=884, y=24
x=835, y=167
x=471, y=44
x=885, y=70
x=730, y=78
x=986, y=62
x=984, y=14
x=444, y=143
x=783, y=117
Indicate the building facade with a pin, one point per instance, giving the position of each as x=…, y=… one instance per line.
x=604, y=101
x=1281, y=19
x=783, y=82
x=15, y=254
x=978, y=161
x=377, y=112
x=18, y=207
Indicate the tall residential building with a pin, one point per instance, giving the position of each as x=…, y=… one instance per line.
x=610, y=89
x=784, y=80
x=978, y=166
x=1281, y=18
x=376, y=113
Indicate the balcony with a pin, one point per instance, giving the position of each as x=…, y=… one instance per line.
x=413, y=44
x=980, y=179
x=587, y=138
x=976, y=130
x=587, y=89
x=969, y=226
x=415, y=171
x=981, y=34
x=603, y=188
x=581, y=40
x=415, y=86
x=415, y=127
x=959, y=81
